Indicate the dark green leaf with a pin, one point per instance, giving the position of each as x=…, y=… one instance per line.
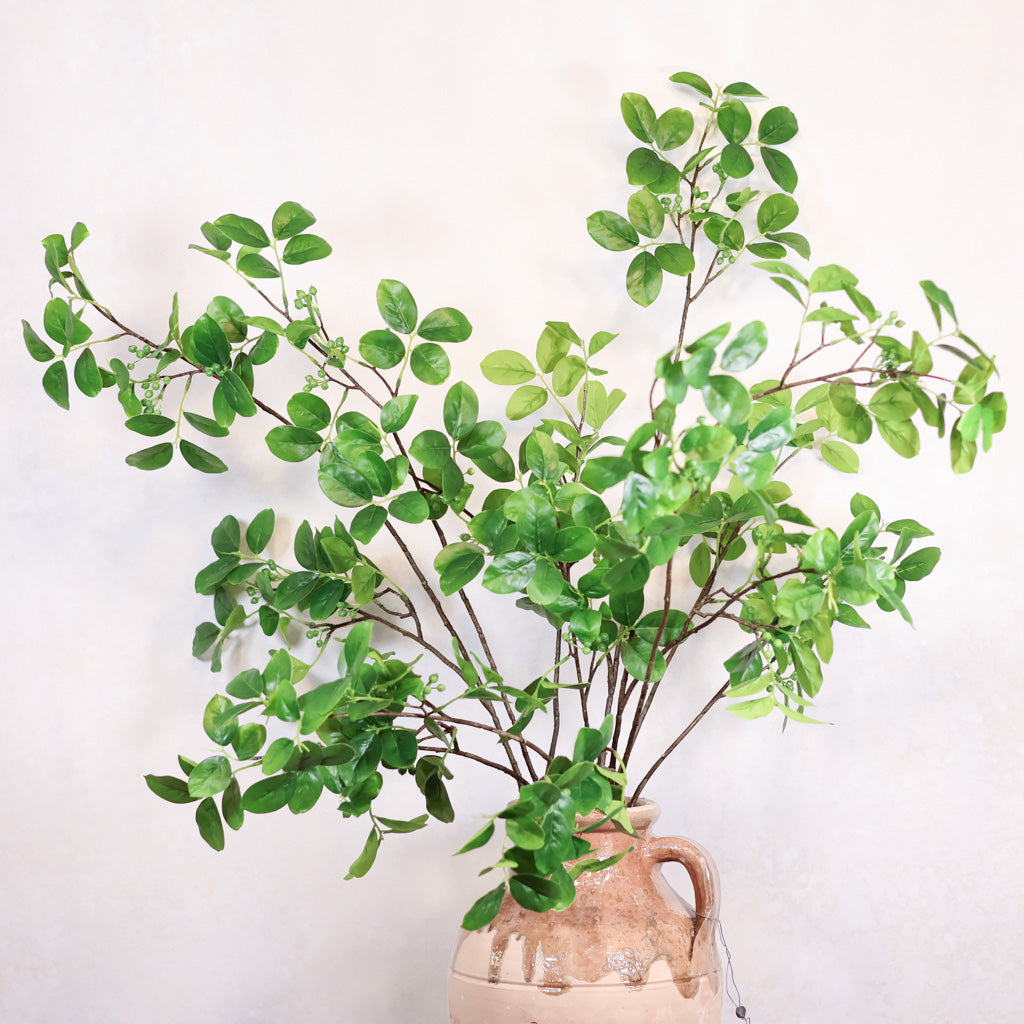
x=781, y=168
x=778, y=125
x=243, y=230
x=205, y=425
x=37, y=348
x=736, y=161
x=410, y=507
x=734, y=121
x=151, y=458
x=460, y=410
x=396, y=412
x=168, y=788
x=268, y=795
x=693, y=81
x=305, y=249
x=309, y=411
x=484, y=910
x=55, y=383
x=199, y=458
x=209, y=777
x=382, y=349
x=210, y=826
x=918, y=564
x=149, y=424
x=289, y=219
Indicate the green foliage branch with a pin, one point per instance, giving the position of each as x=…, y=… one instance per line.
x=628, y=546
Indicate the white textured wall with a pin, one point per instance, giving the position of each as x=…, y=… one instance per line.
x=868, y=866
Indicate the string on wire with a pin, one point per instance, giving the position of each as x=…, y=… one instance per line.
x=730, y=979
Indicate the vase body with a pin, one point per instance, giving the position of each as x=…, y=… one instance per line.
x=629, y=950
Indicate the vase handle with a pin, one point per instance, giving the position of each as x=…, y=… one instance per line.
x=703, y=876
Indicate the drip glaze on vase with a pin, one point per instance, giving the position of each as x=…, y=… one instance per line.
x=629, y=949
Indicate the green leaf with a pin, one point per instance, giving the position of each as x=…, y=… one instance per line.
x=396, y=412
x=149, y=424
x=693, y=81
x=645, y=213
x=289, y=219
x=568, y=373
x=61, y=324
x=673, y=128
x=305, y=249
x=231, y=805
x=210, y=342
x=638, y=115
x=481, y=838
x=429, y=363
x=293, y=444
x=643, y=167
x=397, y=306
x=243, y=230
x=55, y=383
x=736, y=161
x=612, y=231
x=755, y=469
x=775, y=429
x=486, y=438
x=780, y=168
x=309, y=411
x=892, y=402
x=675, y=258
x=268, y=795
x=742, y=89
x=778, y=125
x=382, y=349
x=485, y=909
x=902, y=437
x=643, y=279
x=254, y=264
x=460, y=410
x=525, y=400
x=205, y=425
x=605, y=471
x=151, y=458
x=795, y=241
x=753, y=708
x=87, y=374
x=458, y=564
x=410, y=507
x=210, y=826
x=734, y=120
x=431, y=448
x=776, y=212
x=840, y=456
x=37, y=348
x=209, y=777
x=445, y=324
x=918, y=564
x=237, y=394
x=745, y=349
x=937, y=299
x=200, y=459
x=727, y=399
x=168, y=788
x=510, y=572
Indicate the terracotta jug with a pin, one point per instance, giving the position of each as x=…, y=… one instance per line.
x=629, y=949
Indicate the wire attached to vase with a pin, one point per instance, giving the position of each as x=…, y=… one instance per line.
x=730, y=979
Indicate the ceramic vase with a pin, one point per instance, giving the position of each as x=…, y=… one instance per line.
x=629, y=950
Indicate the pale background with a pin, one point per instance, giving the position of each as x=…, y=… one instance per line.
x=871, y=868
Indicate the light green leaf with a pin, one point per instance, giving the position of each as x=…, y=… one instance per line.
x=397, y=306
x=840, y=456
x=612, y=231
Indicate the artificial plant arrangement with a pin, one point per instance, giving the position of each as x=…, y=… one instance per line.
x=628, y=534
